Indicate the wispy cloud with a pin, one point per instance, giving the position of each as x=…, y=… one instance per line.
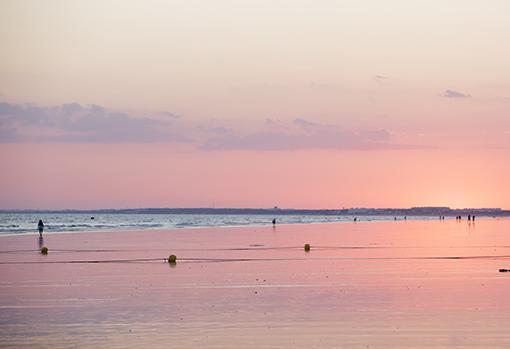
x=73, y=122
x=303, y=134
x=454, y=94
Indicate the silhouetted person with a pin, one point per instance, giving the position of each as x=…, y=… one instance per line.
x=40, y=227
x=405, y=218
x=274, y=221
x=355, y=219
x=469, y=217
x=473, y=218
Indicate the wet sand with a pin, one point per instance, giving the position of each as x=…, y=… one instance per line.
x=414, y=284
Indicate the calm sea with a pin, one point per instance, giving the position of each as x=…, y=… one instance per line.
x=23, y=223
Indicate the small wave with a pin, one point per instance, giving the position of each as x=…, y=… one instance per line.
x=142, y=225
x=185, y=224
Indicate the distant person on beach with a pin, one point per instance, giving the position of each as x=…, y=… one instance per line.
x=40, y=227
x=469, y=217
x=473, y=218
x=274, y=221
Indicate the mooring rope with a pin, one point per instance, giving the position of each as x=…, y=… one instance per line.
x=256, y=248
x=201, y=259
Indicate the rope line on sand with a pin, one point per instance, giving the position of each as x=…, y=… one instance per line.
x=338, y=258
x=89, y=261
x=192, y=259
x=18, y=251
x=315, y=247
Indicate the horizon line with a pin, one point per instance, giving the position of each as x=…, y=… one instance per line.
x=275, y=208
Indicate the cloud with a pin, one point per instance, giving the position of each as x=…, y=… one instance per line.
x=303, y=134
x=169, y=115
x=454, y=94
x=71, y=108
x=73, y=122
x=304, y=123
x=8, y=134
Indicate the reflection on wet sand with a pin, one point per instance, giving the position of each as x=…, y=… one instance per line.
x=380, y=284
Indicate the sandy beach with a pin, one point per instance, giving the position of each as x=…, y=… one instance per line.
x=420, y=284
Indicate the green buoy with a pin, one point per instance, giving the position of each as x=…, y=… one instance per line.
x=44, y=250
x=307, y=247
x=172, y=259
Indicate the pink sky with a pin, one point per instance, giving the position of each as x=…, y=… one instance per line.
x=312, y=104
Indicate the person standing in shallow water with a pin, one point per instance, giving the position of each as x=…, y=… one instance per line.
x=40, y=227
x=274, y=221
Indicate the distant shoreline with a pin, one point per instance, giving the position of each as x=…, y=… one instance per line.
x=414, y=211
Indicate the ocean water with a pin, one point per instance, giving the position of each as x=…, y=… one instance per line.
x=23, y=223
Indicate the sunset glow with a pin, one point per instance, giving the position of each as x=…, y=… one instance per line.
x=306, y=104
